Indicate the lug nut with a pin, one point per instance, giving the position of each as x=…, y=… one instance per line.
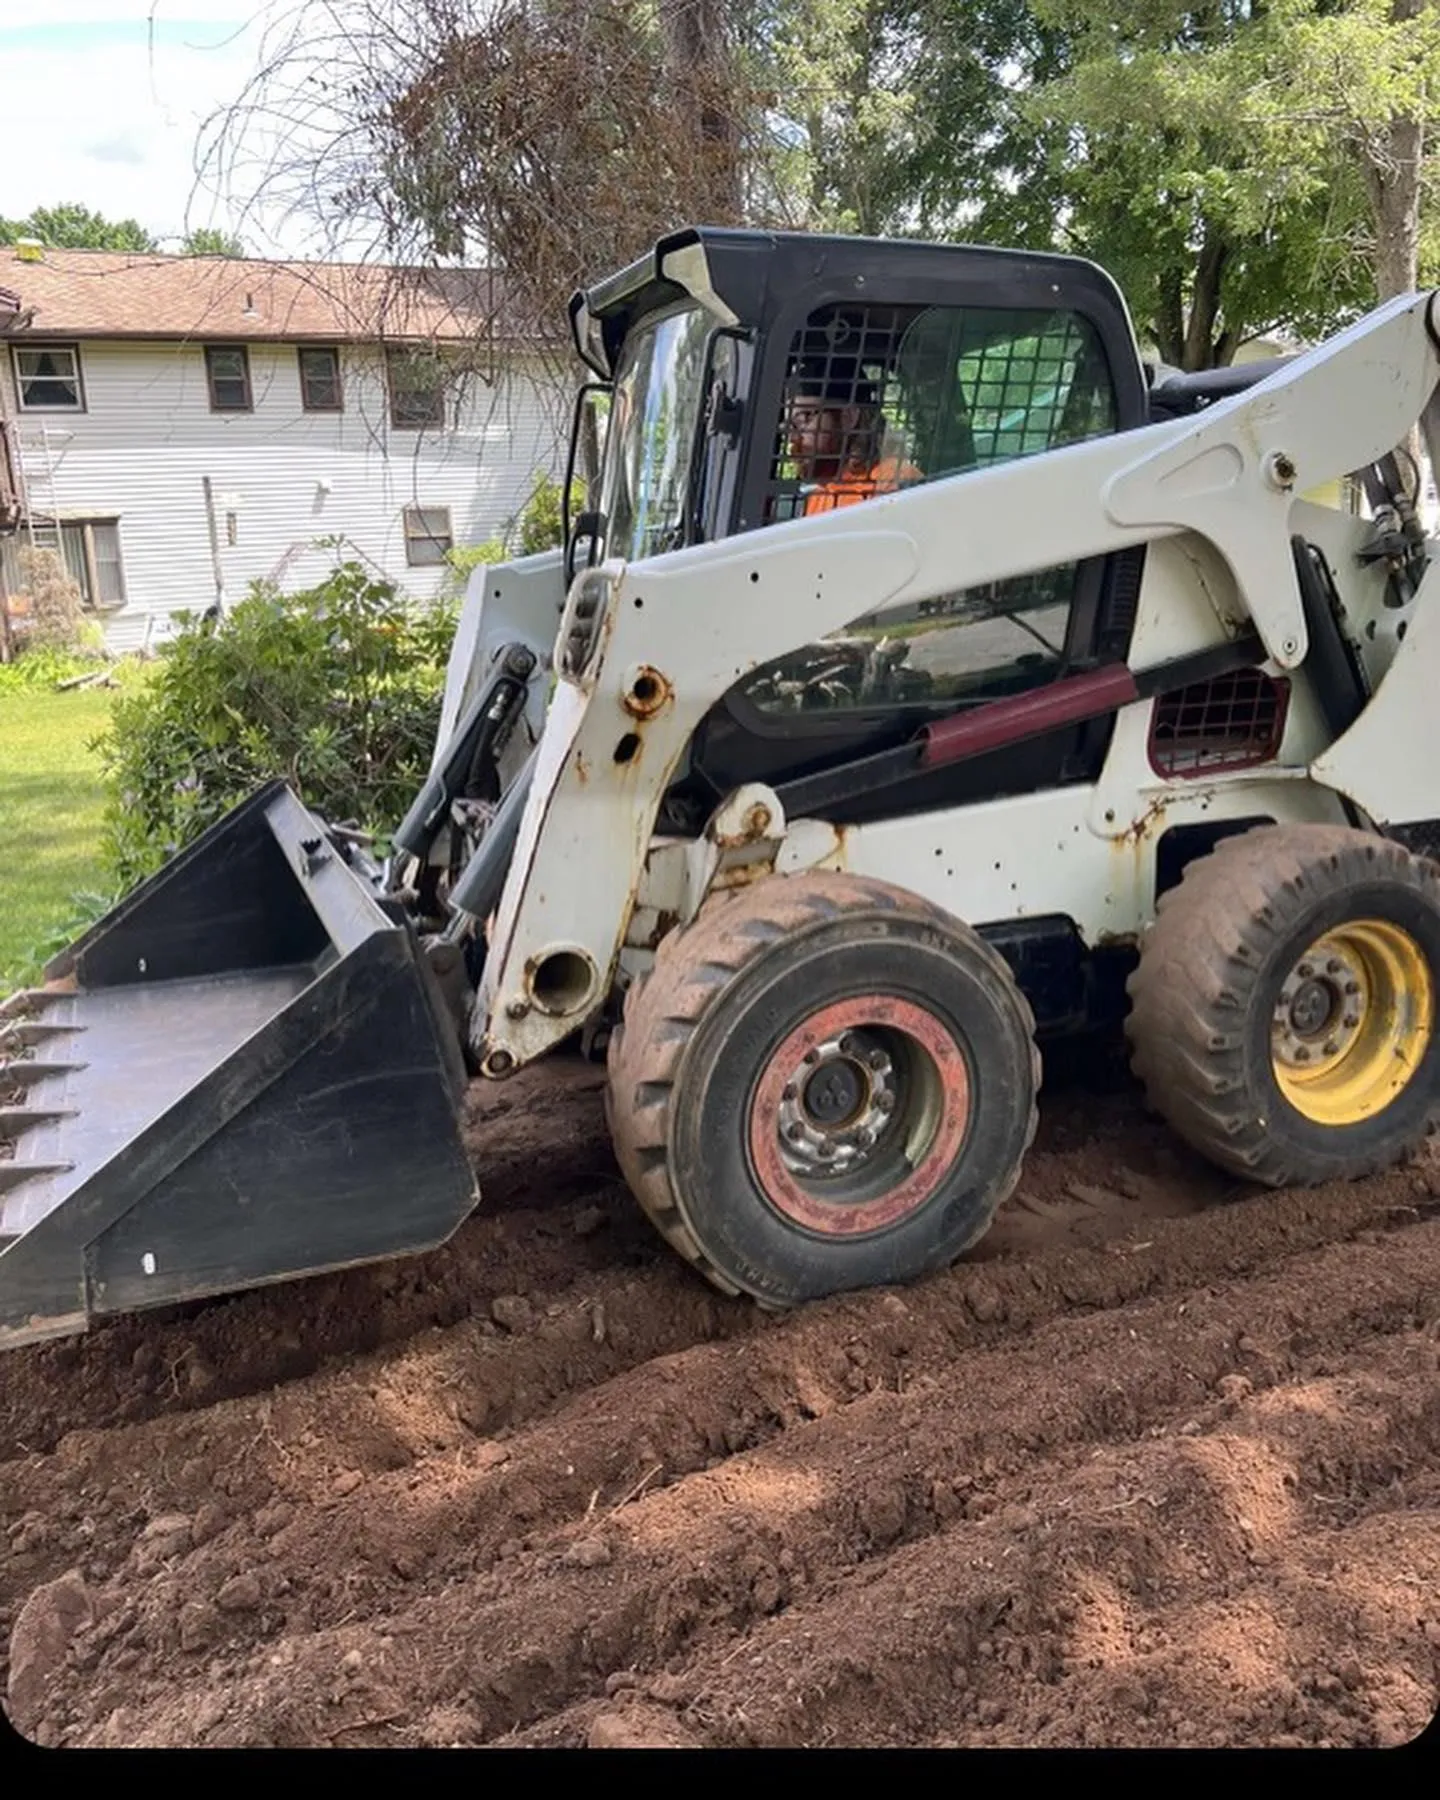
x=790, y=1090
x=1306, y=970
x=1334, y=966
x=1352, y=987
x=847, y=1044
x=879, y=1060
x=795, y=1132
x=827, y=1152
x=1302, y=1054
x=1331, y=1047
x=1352, y=1020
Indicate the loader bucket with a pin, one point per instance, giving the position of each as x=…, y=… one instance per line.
x=242, y=1075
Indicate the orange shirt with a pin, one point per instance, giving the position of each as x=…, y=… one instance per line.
x=884, y=478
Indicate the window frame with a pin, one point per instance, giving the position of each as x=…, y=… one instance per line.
x=243, y=350
x=23, y=405
x=332, y=350
x=426, y=536
x=90, y=601
x=395, y=354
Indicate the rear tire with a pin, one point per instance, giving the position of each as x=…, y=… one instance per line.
x=1284, y=1005
x=824, y=1084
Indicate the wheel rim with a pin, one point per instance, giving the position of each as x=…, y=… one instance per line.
x=857, y=1116
x=1352, y=1022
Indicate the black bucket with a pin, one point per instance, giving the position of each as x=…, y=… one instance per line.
x=244, y=1074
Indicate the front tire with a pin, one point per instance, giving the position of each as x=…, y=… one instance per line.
x=824, y=1084
x=1284, y=1006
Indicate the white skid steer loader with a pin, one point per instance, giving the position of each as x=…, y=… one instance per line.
x=927, y=676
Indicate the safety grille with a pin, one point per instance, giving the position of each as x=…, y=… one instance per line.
x=881, y=397
x=1233, y=722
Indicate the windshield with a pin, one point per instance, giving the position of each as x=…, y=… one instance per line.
x=652, y=435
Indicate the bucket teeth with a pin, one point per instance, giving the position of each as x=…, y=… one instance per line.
x=29, y=1074
x=13, y=1173
x=15, y=1119
x=25, y=1034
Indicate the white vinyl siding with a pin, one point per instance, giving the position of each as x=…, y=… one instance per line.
x=281, y=477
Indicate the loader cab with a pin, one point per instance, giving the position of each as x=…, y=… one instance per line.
x=754, y=378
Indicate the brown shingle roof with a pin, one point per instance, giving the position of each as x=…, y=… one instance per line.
x=119, y=294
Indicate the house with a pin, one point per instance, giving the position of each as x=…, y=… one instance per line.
x=181, y=426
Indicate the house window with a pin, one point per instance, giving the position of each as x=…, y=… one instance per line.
x=90, y=549
x=427, y=535
x=227, y=368
x=47, y=378
x=320, y=379
x=417, y=390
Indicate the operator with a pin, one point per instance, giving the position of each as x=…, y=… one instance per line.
x=837, y=431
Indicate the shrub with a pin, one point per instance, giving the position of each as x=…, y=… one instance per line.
x=540, y=521
x=336, y=689
x=464, y=558
x=57, y=621
x=42, y=667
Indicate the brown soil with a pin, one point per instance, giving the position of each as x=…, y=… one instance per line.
x=1159, y=1464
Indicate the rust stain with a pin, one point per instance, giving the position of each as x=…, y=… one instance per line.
x=1139, y=829
x=647, y=693
x=582, y=768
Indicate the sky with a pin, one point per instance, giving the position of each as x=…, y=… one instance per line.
x=103, y=100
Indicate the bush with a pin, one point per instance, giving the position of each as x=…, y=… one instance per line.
x=536, y=527
x=540, y=521
x=42, y=667
x=57, y=620
x=336, y=689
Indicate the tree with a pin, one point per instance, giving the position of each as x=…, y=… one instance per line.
x=1247, y=164
x=72, y=226
x=543, y=138
x=206, y=241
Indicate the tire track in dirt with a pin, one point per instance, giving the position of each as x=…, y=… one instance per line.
x=688, y=1570
x=1197, y=1590
x=1097, y=1168
x=723, y=1382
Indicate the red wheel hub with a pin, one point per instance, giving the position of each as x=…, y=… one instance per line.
x=826, y=1100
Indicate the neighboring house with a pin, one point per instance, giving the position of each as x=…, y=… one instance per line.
x=185, y=425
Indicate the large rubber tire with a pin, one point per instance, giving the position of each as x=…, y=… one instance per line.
x=1222, y=1005
x=697, y=1081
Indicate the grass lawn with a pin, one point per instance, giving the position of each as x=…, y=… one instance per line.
x=50, y=808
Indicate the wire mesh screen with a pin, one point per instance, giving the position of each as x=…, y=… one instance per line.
x=1233, y=722
x=881, y=397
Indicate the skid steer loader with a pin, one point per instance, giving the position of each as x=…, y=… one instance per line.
x=815, y=807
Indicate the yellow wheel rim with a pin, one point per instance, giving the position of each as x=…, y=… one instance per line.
x=1352, y=1022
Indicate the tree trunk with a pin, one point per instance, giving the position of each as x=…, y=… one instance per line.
x=1205, y=302
x=1392, y=184
x=1170, y=326
x=697, y=60
x=1390, y=162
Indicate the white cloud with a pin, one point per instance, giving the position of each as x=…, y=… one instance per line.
x=118, y=107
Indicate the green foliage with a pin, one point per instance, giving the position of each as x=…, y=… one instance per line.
x=536, y=528
x=42, y=667
x=336, y=689
x=540, y=520
x=465, y=558
x=205, y=240
x=71, y=226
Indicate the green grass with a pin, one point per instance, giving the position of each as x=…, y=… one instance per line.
x=51, y=802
